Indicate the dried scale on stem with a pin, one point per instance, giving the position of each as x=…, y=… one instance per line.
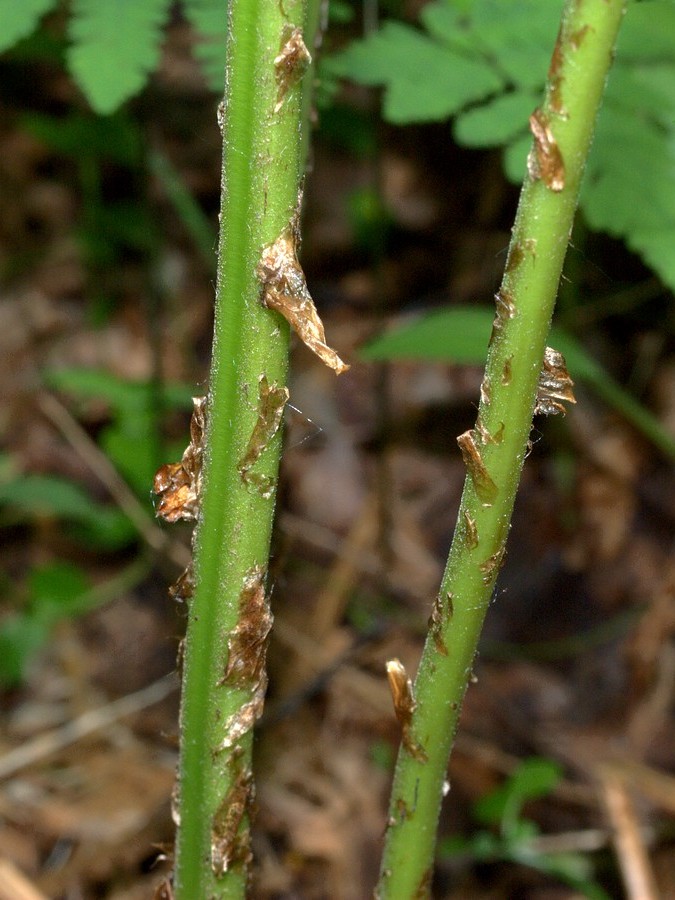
x=522, y=377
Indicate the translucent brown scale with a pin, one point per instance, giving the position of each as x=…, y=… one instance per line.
x=178, y=487
x=545, y=161
x=555, y=386
x=284, y=289
x=404, y=706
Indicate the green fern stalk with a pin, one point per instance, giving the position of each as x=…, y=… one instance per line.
x=262, y=162
x=495, y=450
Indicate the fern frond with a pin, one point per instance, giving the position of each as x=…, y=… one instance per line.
x=425, y=80
x=209, y=20
x=20, y=19
x=628, y=189
x=115, y=45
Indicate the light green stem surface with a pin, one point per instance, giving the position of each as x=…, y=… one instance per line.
x=262, y=161
x=541, y=232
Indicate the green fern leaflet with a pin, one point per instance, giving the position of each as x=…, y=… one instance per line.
x=114, y=46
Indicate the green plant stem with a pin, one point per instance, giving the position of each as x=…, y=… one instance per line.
x=262, y=159
x=540, y=235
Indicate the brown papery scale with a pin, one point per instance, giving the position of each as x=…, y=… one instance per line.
x=506, y=372
x=545, y=159
x=178, y=485
x=229, y=846
x=555, y=385
x=485, y=391
x=555, y=79
x=486, y=489
x=163, y=891
x=285, y=290
x=404, y=706
x=183, y=589
x=247, y=646
x=272, y=399
x=505, y=309
x=291, y=63
x=247, y=643
x=436, y=625
x=470, y=532
x=492, y=565
x=485, y=436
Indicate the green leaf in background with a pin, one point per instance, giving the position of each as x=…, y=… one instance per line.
x=516, y=840
x=650, y=35
x=340, y=12
x=115, y=45
x=629, y=187
x=130, y=440
x=115, y=137
x=424, y=80
x=20, y=636
x=126, y=223
x=460, y=335
x=191, y=214
x=631, y=193
x=517, y=45
x=533, y=778
x=496, y=122
x=457, y=335
x=31, y=496
x=20, y=18
x=515, y=155
x=209, y=20
x=120, y=393
x=55, y=590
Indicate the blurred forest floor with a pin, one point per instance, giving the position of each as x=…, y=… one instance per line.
x=577, y=661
